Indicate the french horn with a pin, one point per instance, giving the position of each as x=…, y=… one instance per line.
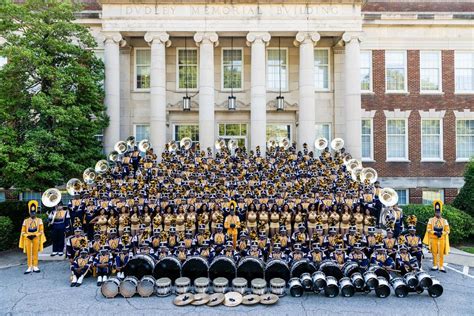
x=353, y=164
x=368, y=174
x=220, y=144
x=121, y=147
x=101, y=166
x=51, y=197
x=144, y=145
x=89, y=176
x=186, y=143
x=285, y=143
x=337, y=144
x=388, y=197
x=321, y=143
x=73, y=186
x=232, y=144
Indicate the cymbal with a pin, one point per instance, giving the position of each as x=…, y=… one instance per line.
x=232, y=299
x=216, y=299
x=200, y=299
x=268, y=299
x=250, y=299
x=183, y=299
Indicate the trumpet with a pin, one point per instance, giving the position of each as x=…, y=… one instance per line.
x=321, y=143
x=89, y=176
x=73, y=186
x=144, y=145
x=51, y=197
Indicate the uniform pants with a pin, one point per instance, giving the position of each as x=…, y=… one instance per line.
x=57, y=235
x=437, y=249
x=32, y=247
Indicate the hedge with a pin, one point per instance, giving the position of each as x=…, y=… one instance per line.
x=460, y=223
x=7, y=236
x=465, y=199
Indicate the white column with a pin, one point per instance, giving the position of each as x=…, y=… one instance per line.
x=308, y=111
x=158, y=42
x=206, y=42
x=258, y=90
x=352, y=100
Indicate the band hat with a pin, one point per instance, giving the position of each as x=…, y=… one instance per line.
x=183, y=299
x=250, y=299
x=31, y=203
x=216, y=299
x=268, y=299
x=438, y=205
x=232, y=299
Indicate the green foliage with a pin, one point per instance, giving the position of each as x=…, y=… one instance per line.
x=465, y=199
x=461, y=224
x=51, y=95
x=6, y=233
x=17, y=211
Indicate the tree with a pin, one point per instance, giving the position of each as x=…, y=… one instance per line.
x=51, y=95
x=465, y=198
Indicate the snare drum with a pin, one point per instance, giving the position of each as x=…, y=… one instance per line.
x=277, y=268
x=399, y=286
x=250, y=268
x=140, y=265
x=436, y=289
x=163, y=287
x=330, y=268
x=201, y=285
x=296, y=289
x=383, y=290
x=277, y=286
x=195, y=267
x=370, y=278
x=380, y=272
x=168, y=267
x=306, y=281
x=128, y=287
x=331, y=289
x=319, y=281
x=220, y=285
x=357, y=280
x=110, y=288
x=239, y=285
x=146, y=287
x=410, y=280
x=182, y=285
x=222, y=266
x=424, y=280
x=301, y=266
x=346, y=287
x=259, y=286
x=350, y=268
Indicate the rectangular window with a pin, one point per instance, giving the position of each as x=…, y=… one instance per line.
x=464, y=71
x=403, y=198
x=367, y=140
x=278, y=131
x=142, y=68
x=431, y=140
x=236, y=131
x=395, y=71
x=142, y=131
x=321, y=69
x=464, y=139
x=366, y=71
x=429, y=195
x=323, y=130
x=181, y=131
x=232, y=68
x=430, y=71
x=277, y=69
x=30, y=195
x=187, y=68
x=397, y=143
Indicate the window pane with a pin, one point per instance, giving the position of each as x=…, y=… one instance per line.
x=464, y=139
x=181, y=131
x=278, y=132
x=365, y=70
x=187, y=68
x=142, y=132
x=396, y=147
x=367, y=138
x=321, y=69
x=430, y=195
x=232, y=68
x=402, y=197
x=395, y=64
x=2, y=196
x=277, y=69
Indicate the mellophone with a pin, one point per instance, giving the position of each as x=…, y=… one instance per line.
x=146, y=276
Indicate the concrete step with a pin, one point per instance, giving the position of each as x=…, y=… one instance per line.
x=46, y=255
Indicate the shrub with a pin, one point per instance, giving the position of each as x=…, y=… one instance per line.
x=17, y=211
x=460, y=223
x=7, y=236
x=465, y=199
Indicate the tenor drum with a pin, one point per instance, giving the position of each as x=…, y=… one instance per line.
x=301, y=266
x=239, y=285
x=168, y=267
x=140, y=265
x=424, y=280
x=330, y=268
x=350, y=268
x=182, y=285
x=380, y=272
x=259, y=286
x=277, y=268
x=128, y=287
x=224, y=267
x=410, y=280
x=383, y=290
x=201, y=285
x=220, y=285
x=250, y=268
x=146, y=287
x=195, y=267
x=110, y=288
x=357, y=280
x=331, y=289
x=277, y=286
x=346, y=287
x=296, y=289
x=306, y=281
x=436, y=289
x=163, y=287
x=370, y=278
x=399, y=286
x=319, y=281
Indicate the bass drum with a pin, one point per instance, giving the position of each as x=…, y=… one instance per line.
x=301, y=266
x=195, y=267
x=250, y=268
x=350, y=268
x=140, y=265
x=380, y=272
x=330, y=268
x=224, y=267
x=277, y=268
x=168, y=267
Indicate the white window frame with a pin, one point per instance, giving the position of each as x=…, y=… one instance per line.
x=441, y=155
x=330, y=130
x=440, y=74
x=173, y=126
x=177, y=69
x=405, y=88
x=460, y=159
x=456, y=91
x=370, y=73
x=371, y=158
x=407, y=192
x=135, y=88
x=281, y=123
x=287, y=70
x=242, y=80
x=328, y=49
x=139, y=124
x=245, y=138
x=433, y=189
x=402, y=159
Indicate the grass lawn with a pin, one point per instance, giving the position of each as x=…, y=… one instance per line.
x=467, y=249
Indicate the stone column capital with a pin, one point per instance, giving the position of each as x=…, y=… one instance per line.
x=206, y=38
x=306, y=37
x=349, y=36
x=157, y=37
x=112, y=37
x=258, y=37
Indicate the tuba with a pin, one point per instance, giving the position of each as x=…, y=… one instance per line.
x=172, y=147
x=130, y=142
x=73, y=186
x=357, y=174
x=232, y=144
x=388, y=197
x=113, y=156
x=285, y=143
x=321, y=143
x=220, y=144
x=271, y=143
x=368, y=174
x=120, y=147
x=186, y=143
x=51, y=197
x=144, y=145
x=353, y=164
x=337, y=144
x=101, y=166
x=89, y=175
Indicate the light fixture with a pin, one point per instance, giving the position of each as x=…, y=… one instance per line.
x=186, y=98
x=280, y=100
x=231, y=100
x=186, y=103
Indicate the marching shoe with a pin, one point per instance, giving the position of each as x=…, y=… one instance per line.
x=104, y=278
x=60, y=254
x=434, y=268
x=79, y=281
x=53, y=254
x=74, y=281
x=29, y=270
x=36, y=270
x=442, y=270
x=99, y=281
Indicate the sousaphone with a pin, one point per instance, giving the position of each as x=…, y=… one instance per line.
x=284, y=143
x=51, y=197
x=144, y=145
x=120, y=147
x=186, y=143
x=337, y=144
x=101, y=166
x=89, y=176
x=368, y=174
x=74, y=186
x=220, y=144
x=232, y=144
x=321, y=143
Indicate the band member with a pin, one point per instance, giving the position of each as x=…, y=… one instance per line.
x=232, y=224
x=230, y=252
x=263, y=244
x=113, y=242
x=182, y=253
x=32, y=237
x=205, y=251
x=254, y=250
x=300, y=236
x=95, y=244
x=189, y=240
x=103, y=264
x=163, y=252
x=59, y=221
x=437, y=237
x=80, y=267
x=172, y=238
x=156, y=239
x=370, y=241
x=243, y=244
x=339, y=255
x=75, y=243
x=277, y=253
x=405, y=262
x=351, y=238
x=390, y=244
x=380, y=258
x=316, y=255
x=330, y=240
x=219, y=239
x=357, y=255
x=121, y=261
x=297, y=254
x=414, y=244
